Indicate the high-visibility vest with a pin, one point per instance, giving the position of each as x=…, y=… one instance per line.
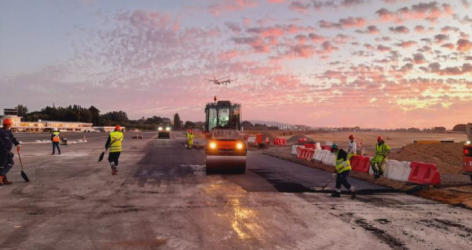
x=382, y=150
x=56, y=136
x=342, y=165
x=190, y=136
x=116, y=139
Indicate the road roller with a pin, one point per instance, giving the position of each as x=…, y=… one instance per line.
x=226, y=149
x=163, y=132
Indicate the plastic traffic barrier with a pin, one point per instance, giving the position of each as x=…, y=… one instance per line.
x=326, y=147
x=424, y=173
x=360, y=164
x=311, y=152
x=310, y=146
x=300, y=151
x=302, y=140
x=259, y=138
x=280, y=142
x=398, y=170
x=318, y=155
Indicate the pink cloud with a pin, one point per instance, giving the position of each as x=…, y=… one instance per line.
x=464, y=45
x=275, y=1
x=399, y=30
x=372, y=30
x=431, y=11
x=231, y=5
x=349, y=22
x=383, y=48
x=419, y=28
x=449, y=46
x=406, y=44
x=419, y=58
x=299, y=6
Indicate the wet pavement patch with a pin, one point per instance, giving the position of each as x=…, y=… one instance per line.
x=383, y=221
x=139, y=243
x=281, y=185
x=37, y=212
x=382, y=235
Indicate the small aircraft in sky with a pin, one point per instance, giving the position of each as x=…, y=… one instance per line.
x=221, y=81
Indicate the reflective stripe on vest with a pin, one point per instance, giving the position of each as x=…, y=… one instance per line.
x=381, y=149
x=115, y=139
x=341, y=165
x=56, y=136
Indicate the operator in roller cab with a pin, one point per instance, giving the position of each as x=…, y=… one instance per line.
x=7, y=140
x=226, y=149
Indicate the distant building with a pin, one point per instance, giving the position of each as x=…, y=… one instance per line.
x=42, y=126
x=12, y=112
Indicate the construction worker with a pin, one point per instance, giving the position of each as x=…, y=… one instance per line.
x=352, y=146
x=381, y=152
x=114, y=143
x=190, y=138
x=342, y=170
x=7, y=140
x=56, y=138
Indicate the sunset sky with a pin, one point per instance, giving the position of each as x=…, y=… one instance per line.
x=368, y=63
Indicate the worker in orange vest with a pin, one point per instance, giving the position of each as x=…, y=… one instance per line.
x=56, y=138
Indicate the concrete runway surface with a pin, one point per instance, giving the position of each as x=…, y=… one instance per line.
x=162, y=199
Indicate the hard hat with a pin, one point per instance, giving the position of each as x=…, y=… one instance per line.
x=334, y=146
x=351, y=137
x=55, y=129
x=118, y=128
x=380, y=138
x=7, y=121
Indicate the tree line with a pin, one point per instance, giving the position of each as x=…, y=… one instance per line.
x=77, y=113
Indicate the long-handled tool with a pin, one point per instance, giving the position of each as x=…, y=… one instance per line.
x=330, y=180
x=23, y=174
x=102, y=155
x=106, y=149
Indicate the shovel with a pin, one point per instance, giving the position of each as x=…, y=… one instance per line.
x=106, y=149
x=102, y=155
x=23, y=174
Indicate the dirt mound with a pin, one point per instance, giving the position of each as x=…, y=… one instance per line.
x=294, y=139
x=446, y=156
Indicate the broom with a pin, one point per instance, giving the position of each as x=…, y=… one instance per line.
x=23, y=174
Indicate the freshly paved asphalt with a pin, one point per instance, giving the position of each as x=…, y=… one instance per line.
x=162, y=199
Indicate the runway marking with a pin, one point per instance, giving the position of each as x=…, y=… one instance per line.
x=197, y=169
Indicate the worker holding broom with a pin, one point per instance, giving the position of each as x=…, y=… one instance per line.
x=114, y=143
x=381, y=152
x=7, y=140
x=342, y=170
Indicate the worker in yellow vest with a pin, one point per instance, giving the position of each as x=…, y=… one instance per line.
x=381, y=152
x=114, y=144
x=56, y=138
x=190, y=138
x=342, y=170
